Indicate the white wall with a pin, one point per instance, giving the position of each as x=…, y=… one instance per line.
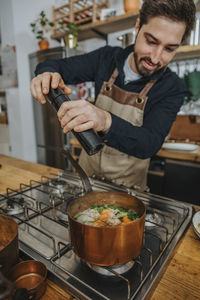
x=25, y=12
x=6, y=19
x=15, y=18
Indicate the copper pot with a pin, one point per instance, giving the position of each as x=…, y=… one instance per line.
x=8, y=243
x=112, y=245
x=29, y=278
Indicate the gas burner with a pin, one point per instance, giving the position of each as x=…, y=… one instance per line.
x=58, y=182
x=14, y=205
x=153, y=220
x=120, y=269
x=59, y=186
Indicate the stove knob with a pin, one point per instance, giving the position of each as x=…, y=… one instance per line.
x=147, y=189
x=136, y=187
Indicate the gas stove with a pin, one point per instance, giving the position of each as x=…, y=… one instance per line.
x=40, y=211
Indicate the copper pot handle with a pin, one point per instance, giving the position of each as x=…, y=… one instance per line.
x=24, y=294
x=6, y=286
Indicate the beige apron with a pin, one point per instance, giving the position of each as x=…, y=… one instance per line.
x=110, y=163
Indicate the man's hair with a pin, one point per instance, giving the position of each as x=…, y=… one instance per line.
x=176, y=10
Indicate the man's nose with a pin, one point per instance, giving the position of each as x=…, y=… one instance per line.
x=156, y=55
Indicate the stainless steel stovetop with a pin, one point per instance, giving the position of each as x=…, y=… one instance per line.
x=40, y=211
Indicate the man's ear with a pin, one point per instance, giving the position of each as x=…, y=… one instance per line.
x=137, y=25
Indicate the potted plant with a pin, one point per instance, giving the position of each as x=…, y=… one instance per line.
x=71, y=30
x=40, y=27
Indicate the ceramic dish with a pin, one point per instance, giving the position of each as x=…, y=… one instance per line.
x=180, y=147
x=196, y=223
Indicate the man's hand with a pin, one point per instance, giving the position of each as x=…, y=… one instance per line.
x=41, y=83
x=78, y=115
x=81, y=115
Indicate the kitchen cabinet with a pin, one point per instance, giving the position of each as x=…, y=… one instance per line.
x=181, y=181
x=155, y=176
x=176, y=179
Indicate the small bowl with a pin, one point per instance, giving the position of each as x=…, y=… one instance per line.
x=196, y=223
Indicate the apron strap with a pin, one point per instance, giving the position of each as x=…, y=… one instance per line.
x=142, y=96
x=113, y=78
x=146, y=89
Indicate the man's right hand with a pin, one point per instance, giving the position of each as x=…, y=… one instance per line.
x=41, y=83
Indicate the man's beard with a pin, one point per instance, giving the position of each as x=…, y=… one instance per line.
x=140, y=68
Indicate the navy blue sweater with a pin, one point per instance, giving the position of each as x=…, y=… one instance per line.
x=164, y=98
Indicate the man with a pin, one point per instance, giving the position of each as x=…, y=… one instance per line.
x=137, y=96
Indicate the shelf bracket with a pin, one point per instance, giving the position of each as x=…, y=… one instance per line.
x=104, y=36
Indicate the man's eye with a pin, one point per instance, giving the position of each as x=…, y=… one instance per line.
x=170, y=49
x=150, y=42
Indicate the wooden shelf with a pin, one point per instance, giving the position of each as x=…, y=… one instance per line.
x=101, y=28
x=187, y=52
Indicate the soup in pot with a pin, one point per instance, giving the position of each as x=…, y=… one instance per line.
x=106, y=215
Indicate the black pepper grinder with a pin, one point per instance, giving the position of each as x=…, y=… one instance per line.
x=89, y=139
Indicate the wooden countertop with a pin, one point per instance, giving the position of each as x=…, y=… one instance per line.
x=13, y=172
x=181, y=279
x=191, y=156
